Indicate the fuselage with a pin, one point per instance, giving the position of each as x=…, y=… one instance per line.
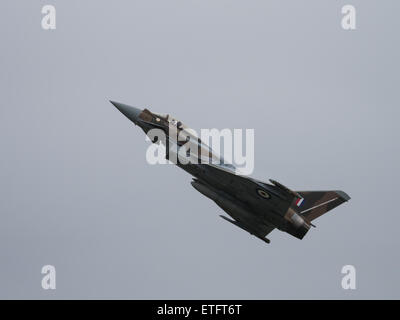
x=204, y=166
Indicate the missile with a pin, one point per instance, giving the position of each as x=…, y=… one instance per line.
x=238, y=224
x=266, y=240
x=235, y=223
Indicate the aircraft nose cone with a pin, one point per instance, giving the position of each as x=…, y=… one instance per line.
x=132, y=113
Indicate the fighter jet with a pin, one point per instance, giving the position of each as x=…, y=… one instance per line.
x=252, y=205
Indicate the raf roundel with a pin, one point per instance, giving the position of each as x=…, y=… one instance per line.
x=263, y=194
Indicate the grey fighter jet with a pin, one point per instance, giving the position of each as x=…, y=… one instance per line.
x=254, y=206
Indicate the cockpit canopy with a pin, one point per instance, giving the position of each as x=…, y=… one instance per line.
x=171, y=120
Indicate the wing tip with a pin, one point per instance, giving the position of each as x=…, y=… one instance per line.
x=343, y=195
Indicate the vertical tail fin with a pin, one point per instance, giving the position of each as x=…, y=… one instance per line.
x=315, y=203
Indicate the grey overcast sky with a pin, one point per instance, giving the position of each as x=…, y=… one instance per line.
x=76, y=191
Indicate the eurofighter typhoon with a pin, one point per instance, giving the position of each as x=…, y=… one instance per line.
x=254, y=206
